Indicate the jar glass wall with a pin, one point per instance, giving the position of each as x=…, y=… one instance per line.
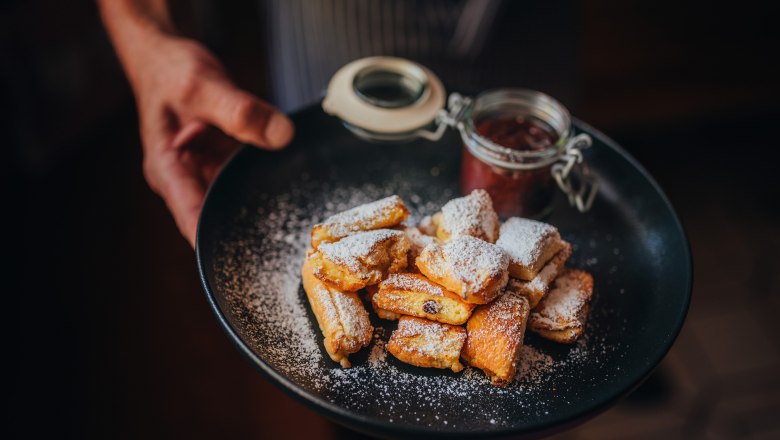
x=511, y=139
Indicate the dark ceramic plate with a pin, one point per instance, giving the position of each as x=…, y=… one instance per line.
x=254, y=231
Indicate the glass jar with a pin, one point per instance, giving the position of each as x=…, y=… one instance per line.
x=511, y=139
x=517, y=143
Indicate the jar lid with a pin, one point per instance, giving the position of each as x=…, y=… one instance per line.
x=384, y=97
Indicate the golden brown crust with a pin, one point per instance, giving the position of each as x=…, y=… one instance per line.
x=341, y=316
x=469, y=215
x=538, y=287
x=425, y=343
x=567, y=335
x=362, y=259
x=386, y=314
x=530, y=245
x=380, y=214
x=562, y=314
x=472, y=268
x=495, y=337
x=415, y=295
x=529, y=272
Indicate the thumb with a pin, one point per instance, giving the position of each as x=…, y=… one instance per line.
x=242, y=115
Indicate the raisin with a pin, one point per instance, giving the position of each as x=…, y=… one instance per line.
x=431, y=307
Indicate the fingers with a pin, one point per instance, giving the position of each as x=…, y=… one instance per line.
x=212, y=149
x=242, y=115
x=181, y=189
x=187, y=133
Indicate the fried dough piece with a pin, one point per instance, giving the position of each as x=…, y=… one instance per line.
x=495, y=337
x=415, y=295
x=384, y=314
x=362, y=259
x=530, y=245
x=562, y=314
x=417, y=242
x=426, y=343
x=380, y=214
x=535, y=289
x=474, y=269
x=470, y=215
x=342, y=318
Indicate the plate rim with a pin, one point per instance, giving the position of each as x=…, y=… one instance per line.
x=370, y=425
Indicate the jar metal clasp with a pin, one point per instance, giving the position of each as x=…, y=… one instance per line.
x=452, y=116
x=573, y=176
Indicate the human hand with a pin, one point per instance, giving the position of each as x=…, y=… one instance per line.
x=191, y=117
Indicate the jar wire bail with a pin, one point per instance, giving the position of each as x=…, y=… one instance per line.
x=573, y=176
x=449, y=117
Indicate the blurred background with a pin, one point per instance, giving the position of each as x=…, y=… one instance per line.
x=111, y=334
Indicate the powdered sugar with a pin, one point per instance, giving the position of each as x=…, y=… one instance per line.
x=470, y=215
x=543, y=280
x=417, y=239
x=355, y=219
x=509, y=309
x=432, y=339
x=352, y=251
x=412, y=283
x=378, y=354
x=257, y=274
x=523, y=239
x=565, y=301
x=427, y=344
x=410, y=326
x=533, y=364
x=471, y=261
x=352, y=315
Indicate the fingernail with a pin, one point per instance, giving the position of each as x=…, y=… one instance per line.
x=279, y=130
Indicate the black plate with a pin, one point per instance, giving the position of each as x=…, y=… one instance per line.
x=254, y=231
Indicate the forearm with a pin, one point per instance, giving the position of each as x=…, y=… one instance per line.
x=135, y=27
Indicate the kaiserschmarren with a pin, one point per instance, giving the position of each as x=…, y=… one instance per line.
x=459, y=284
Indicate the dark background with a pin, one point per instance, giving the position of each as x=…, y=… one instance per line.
x=110, y=334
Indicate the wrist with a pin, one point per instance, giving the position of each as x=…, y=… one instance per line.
x=136, y=28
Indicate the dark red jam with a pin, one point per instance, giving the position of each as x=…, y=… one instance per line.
x=524, y=193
